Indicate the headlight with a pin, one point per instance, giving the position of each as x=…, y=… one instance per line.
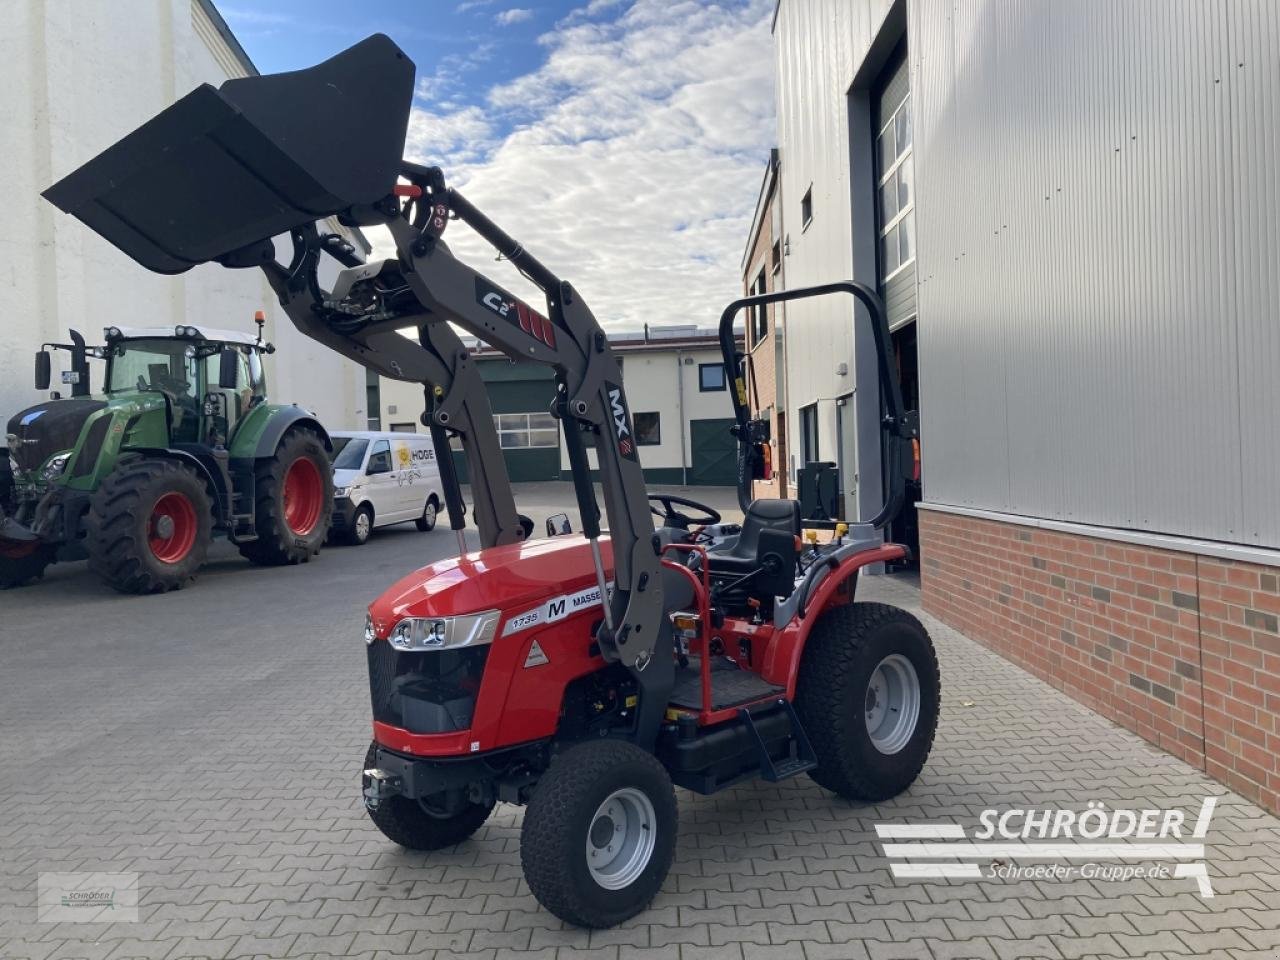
x=444, y=633
x=369, y=635
x=341, y=491
x=54, y=468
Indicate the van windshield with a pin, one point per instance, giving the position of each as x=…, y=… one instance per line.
x=348, y=453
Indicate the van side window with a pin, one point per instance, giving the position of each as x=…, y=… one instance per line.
x=380, y=458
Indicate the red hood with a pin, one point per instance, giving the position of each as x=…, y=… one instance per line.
x=509, y=578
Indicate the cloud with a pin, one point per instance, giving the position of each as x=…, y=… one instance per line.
x=628, y=162
x=515, y=15
x=471, y=5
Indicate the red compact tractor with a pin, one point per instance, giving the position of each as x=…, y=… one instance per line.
x=582, y=678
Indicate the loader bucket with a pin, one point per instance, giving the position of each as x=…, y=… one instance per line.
x=225, y=168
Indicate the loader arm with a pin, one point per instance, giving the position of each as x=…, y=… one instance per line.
x=434, y=289
x=456, y=401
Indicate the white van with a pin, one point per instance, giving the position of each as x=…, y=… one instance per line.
x=383, y=478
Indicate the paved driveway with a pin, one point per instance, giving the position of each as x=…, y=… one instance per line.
x=211, y=741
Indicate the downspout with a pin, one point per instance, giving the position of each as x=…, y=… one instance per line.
x=684, y=465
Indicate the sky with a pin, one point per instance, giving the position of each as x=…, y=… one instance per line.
x=621, y=141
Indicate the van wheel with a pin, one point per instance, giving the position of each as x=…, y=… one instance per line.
x=427, y=522
x=361, y=526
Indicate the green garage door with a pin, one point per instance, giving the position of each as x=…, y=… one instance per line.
x=715, y=453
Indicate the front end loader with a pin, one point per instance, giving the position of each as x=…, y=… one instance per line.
x=582, y=678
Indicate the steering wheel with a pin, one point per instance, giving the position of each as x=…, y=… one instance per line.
x=674, y=518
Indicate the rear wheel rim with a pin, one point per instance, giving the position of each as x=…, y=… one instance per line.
x=429, y=515
x=303, y=496
x=172, y=527
x=621, y=838
x=892, y=704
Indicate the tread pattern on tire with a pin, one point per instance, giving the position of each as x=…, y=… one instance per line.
x=822, y=694
x=403, y=821
x=546, y=843
x=114, y=539
x=275, y=545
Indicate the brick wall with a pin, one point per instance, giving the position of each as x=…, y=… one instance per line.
x=1182, y=649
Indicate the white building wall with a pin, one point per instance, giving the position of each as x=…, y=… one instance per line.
x=74, y=78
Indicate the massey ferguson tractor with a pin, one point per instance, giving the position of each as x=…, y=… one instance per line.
x=180, y=444
x=582, y=678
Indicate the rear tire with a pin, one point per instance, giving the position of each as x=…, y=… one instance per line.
x=404, y=821
x=148, y=526
x=867, y=696
x=427, y=522
x=293, y=501
x=595, y=796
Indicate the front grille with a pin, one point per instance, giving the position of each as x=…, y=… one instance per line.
x=39, y=432
x=425, y=692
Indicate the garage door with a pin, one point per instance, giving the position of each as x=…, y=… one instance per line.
x=715, y=453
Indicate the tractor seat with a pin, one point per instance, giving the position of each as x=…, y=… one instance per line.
x=741, y=556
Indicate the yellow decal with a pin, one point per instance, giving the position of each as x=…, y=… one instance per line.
x=632, y=700
x=742, y=390
x=403, y=456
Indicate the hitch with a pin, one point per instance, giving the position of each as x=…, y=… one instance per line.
x=380, y=785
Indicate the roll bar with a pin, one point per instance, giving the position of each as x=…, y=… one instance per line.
x=899, y=425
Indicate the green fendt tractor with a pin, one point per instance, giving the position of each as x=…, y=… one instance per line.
x=181, y=444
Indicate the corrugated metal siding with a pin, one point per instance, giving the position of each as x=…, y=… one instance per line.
x=819, y=44
x=1098, y=261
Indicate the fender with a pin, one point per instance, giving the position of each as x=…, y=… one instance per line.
x=782, y=661
x=221, y=496
x=259, y=433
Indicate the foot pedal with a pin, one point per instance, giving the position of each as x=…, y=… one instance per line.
x=800, y=756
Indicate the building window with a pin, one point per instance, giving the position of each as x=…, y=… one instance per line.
x=523, y=431
x=809, y=433
x=896, y=193
x=759, y=313
x=775, y=257
x=806, y=208
x=404, y=428
x=648, y=428
x=710, y=377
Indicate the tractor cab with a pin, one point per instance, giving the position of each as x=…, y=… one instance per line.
x=210, y=379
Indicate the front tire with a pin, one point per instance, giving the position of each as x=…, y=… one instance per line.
x=293, y=501
x=405, y=821
x=22, y=562
x=867, y=696
x=148, y=526
x=361, y=526
x=599, y=833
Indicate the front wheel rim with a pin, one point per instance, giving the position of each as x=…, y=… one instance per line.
x=303, y=496
x=362, y=525
x=892, y=704
x=172, y=527
x=621, y=838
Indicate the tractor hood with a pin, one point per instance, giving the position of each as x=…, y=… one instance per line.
x=37, y=433
x=223, y=170
x=513, y=579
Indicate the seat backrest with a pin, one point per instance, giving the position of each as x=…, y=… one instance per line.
x=770, y=514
